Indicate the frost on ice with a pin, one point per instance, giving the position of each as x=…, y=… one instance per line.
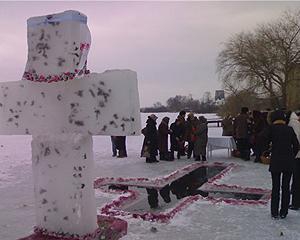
x=62, y=105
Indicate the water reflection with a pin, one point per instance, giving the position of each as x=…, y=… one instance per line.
x=188, y=185
x=185, y=186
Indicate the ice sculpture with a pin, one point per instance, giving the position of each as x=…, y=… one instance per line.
x=62, y=105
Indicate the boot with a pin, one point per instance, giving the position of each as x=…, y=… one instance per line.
x=162, y=156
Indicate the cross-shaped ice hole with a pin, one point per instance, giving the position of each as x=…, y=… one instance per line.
x=160, y=199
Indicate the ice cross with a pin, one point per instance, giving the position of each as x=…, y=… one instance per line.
x=62, y=106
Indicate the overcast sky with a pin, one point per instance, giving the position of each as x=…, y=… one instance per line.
x=172, y=46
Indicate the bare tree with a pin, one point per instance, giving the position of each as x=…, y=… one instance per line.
x=260, y=61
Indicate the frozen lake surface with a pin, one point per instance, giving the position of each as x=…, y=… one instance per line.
x=200, y=220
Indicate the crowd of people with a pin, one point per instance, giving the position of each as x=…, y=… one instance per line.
x=192, y=130
x=273, y=133
x=278, y=134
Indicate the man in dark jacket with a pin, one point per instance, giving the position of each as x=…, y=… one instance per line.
x=241, y=133
x=284, y=149
x=177, y=137
x=151, y=139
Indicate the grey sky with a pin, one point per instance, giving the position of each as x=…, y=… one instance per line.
x=171, y=45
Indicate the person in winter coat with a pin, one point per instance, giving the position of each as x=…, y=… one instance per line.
x=241, y=133
x=284, y=149
x=150, y=145
x=163, y=132
x=295, y=124
x=113, y=145
x=120, y=142
x=201, y=139
x=177, y=137
x=182, y=126
x=227, y=126
x=257, y=129
x=190, y=137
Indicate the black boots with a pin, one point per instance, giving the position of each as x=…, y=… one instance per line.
x=203, y=158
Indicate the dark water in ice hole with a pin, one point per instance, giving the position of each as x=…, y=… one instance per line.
x=157, y=200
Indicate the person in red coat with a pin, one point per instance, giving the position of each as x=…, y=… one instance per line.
x=163, y=132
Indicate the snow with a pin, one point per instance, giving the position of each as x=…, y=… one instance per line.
x=200, y=220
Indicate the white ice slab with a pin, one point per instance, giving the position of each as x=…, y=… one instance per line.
x=98, y=104
x=63, y=183
x=58, y=46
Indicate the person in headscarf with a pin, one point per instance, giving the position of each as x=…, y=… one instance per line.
x=150, y=145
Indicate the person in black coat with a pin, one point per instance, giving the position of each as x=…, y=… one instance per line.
x=150, y=145
x=120, y=142
x=284, y=149
x=177, y=137
x=163, y=133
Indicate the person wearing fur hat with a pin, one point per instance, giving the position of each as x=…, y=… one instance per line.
x=150, y=145
x=285, y=146
x=163, y=133
x=177, y=129
x=294, y=122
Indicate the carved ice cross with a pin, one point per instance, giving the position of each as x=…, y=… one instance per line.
x=62, y=106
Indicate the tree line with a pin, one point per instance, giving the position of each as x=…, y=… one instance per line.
x=188, y=103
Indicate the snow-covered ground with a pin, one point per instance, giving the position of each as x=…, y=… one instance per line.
x=200, y=220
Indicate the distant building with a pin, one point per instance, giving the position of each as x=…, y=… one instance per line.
x=219, y=95
x=293, y=89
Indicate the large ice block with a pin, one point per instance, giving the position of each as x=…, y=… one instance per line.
x=97, y=104
x=63, y=183
x=62, y=107
x=58, y=46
